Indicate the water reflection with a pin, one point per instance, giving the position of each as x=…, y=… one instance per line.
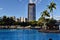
x=27, y=34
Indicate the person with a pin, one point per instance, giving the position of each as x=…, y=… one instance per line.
x=50, y=39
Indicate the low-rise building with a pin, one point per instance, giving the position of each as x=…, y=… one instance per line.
x=22, y=19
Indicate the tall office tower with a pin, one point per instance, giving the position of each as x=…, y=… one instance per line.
x=31, y=11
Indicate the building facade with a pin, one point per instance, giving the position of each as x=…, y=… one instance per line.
x=22, y=19
x=31, y=11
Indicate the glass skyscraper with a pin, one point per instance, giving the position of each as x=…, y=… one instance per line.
x=31, y=11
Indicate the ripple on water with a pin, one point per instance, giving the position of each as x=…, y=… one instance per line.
x=26, y=34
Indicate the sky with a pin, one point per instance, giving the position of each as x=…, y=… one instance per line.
x=19, y=8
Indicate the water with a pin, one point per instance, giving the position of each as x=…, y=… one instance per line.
x=26, y=34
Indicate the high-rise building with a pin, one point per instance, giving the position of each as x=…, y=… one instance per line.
x=31, y=11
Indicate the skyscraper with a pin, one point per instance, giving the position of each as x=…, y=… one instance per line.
x=31, y=11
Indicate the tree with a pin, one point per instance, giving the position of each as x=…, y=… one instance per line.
x=42, y=19
x=51, y=23
x=51, y=7
x=11, y=20
x=33, y=23
x=4, y=20
x=45, y=13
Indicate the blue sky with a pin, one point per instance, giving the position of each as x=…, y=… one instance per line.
x=19, y=8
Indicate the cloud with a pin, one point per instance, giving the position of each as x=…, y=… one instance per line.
x=1, y=8
x=37, y=1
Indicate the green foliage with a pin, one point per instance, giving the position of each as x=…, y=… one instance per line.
x=10, y=21
x=33, y=23
x=52, y=22
x=51, y=7
x=42, y=20
x=45, y=13
x=6, y=21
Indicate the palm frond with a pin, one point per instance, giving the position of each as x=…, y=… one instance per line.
x=46, y=13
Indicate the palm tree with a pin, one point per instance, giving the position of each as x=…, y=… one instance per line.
x=42, y=19
x=45, y=13
x=51, y=7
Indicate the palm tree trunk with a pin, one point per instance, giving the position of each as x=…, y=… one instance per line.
x=45, y=25
x=52, y=14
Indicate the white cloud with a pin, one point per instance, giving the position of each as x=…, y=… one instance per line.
x=36, y=1
x=1, y=8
